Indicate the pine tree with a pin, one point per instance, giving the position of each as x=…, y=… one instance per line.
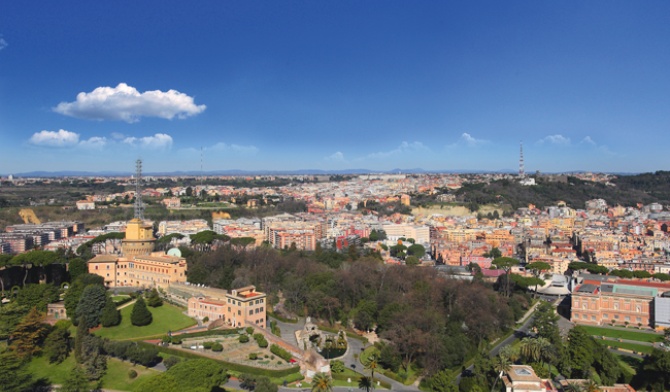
x=76, y=381
x=110, y=316
x=140, y=315
x=93, y=300
x=14, y=377
x=29, y=335
x=57, y=345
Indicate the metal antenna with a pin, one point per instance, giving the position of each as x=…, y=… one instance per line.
x=139, y=208
x=522, y=171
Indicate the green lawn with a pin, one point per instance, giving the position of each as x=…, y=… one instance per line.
x=627, y=346
x=116, y=377
x=40, y=367
x=624, y=334
x=165, y=318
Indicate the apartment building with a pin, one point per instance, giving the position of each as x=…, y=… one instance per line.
x=238, y=308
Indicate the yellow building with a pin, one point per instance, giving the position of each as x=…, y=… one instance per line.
x=139, y=266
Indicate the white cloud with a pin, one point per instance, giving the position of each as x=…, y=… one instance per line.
x=3, y=43
x=245, y=150
x=60, y=138
x=96, y=142
x=555, y=139
x=118, y=136
x=588, y=140
x=125, y=103
x=155, y=142
x=336, y=157
x=404, y=148
x=469, y=141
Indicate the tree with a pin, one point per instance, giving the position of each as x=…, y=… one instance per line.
x=371, y=364
x=76, y=381
x=140, y=315
x=10, y=316
x=443, y=381
x=92, y=302
x=537, y=268
x=14, y=376
x=365, y=383
x=57, y=345
x=37, y=296
x=110, y=315
x=494, y=253
x=322, y=383
x=412, y=261
x=153, y=298
x=337, y=366
x=264, y=384
x=501, y=364
x=76, y=267
x=5, y=261
x=506, y=264
x=76, y=289
x=200, y=375
x=416, y=250
x=29, y=335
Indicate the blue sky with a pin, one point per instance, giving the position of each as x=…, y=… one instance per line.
x=334, y=85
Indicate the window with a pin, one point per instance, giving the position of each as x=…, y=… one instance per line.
x=239, y=312
x=593, y=318
x=605, y=316
x=251, y=312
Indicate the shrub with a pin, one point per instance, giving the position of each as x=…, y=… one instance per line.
x=66, y=324
x=253, y=356
x=205, y=320
x=132, y=374
x=281, y=353
x=176, y=340
x=171, y=361
x=244, y=338
x=140, y=315
x=110, y=316
x=208, y=345
x=153, y=299
x=250, y=330
x=263, y=343
x=218, y=347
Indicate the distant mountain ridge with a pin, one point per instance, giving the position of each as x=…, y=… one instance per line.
x=239, y=172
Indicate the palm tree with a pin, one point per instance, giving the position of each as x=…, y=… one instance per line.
x=501, y=364
x=574, y=387
x=372, y=363
x=366, y=384
x=322, y=383
x=529, y=349
x=591, y=386
x=543, y=348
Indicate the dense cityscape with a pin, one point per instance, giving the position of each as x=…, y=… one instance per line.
x=434, y=290
x=333, y=196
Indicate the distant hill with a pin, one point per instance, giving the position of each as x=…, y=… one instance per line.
x=627, y=191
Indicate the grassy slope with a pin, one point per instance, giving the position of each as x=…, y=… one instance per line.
x=116, y=377
x=624, y=334
x=165, y=318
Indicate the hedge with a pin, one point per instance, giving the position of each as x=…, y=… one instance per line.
x=212, y=332
x=281, y=353
x=236, y=367
x=344, y=377
x=122, y=301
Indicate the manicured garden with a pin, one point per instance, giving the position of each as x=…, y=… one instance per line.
x=165, y=318
x=627, y=346
x=624, y=334
x=115, y=378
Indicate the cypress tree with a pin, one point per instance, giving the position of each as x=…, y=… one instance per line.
x=140, y=315
x=110, y=316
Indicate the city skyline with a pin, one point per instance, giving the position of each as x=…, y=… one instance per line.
x=334, y=86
